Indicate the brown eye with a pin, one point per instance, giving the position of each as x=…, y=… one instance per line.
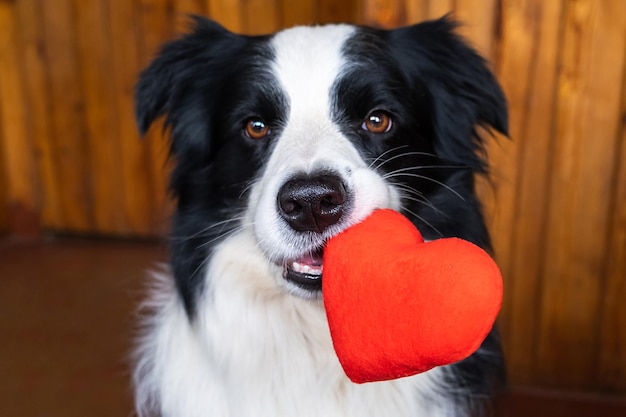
x=256, y=128
x=377, y=122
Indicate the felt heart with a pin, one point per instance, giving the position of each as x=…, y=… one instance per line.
x=398, y=306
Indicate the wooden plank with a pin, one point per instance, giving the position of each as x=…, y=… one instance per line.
x=4, y=195
x=438, y=8
x=498, y=191
x=332, y=11
x=588, y=116
x=67, y=114
x=155, y=20
x=94, y=59
x=527, y=69
x=415, y=11
x=183, y=9
x=260, y=17
x=30, y=21
x=18, y=165
x=477, y=25
x=611, y=369
x=383, y=13
x=135, y=153
x=298, y=13
x=4, y=182
x=478, y=18
x=227, y=12
x=157, y=28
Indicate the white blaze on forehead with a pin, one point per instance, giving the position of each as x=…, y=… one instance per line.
x=307, y=64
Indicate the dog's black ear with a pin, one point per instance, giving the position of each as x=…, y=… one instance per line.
x=169, y=79
x=462, y=91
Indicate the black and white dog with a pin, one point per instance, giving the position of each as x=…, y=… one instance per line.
x=281, y=142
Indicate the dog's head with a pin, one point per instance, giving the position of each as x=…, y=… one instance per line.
x=301, y=134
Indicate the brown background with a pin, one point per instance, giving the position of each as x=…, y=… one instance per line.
x=71, y=161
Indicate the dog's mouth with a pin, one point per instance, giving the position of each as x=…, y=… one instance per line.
x=306, y=271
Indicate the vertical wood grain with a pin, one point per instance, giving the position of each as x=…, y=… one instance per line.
x=303, y=12
x=4, y=198
x=37, y=95
x=477, y=25
x=20, y=177
x=134, y=164
x=415, y=11
x=588, y=115
x=438, y=8
x=611, y=367
x=184, y=8
x=384, y=13
x=260, y=17
x=227, y=12
x=5, y=13
x=332, y=11
x=104, y=153
x=527, y=69
x=157, y=27
x=478, y=19
x=67, y=111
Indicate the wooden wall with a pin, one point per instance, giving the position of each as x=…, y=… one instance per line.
x=559, y=213
x=70, y=158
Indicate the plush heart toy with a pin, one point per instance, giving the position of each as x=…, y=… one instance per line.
x=398, y=306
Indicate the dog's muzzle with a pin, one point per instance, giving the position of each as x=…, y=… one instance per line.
x=311, y=205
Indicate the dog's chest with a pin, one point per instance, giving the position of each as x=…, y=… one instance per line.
x=272, y=354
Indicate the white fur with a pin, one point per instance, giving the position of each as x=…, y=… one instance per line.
x=308, y=62
x=254, y=349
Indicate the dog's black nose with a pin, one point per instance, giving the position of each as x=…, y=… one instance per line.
x=312, y=204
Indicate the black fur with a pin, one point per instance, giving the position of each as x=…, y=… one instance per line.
x=436, y=87
x=439, y=90
x=206, y=84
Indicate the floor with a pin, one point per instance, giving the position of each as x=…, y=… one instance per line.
x=67, y=321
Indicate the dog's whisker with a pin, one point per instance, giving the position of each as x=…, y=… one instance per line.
x=407, y=154
x=419, y=197
x=208, y=229
x=371, y=165
x=408, y=188
x=424, y=202
x=418, y=167
x=202, y=264
x=246, y=189
x=424, y=177
x=417, y=216
x=221, y=236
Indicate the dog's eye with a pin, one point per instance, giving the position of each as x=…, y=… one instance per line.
x=377, y=122
x=256, y=128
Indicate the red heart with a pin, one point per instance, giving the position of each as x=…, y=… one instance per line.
x=398, y=306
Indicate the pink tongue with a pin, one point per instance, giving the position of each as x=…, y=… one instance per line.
x=312, y=259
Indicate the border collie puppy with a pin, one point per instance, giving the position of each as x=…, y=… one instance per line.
x=281, y=142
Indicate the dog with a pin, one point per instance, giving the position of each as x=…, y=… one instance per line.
x=280, y=142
